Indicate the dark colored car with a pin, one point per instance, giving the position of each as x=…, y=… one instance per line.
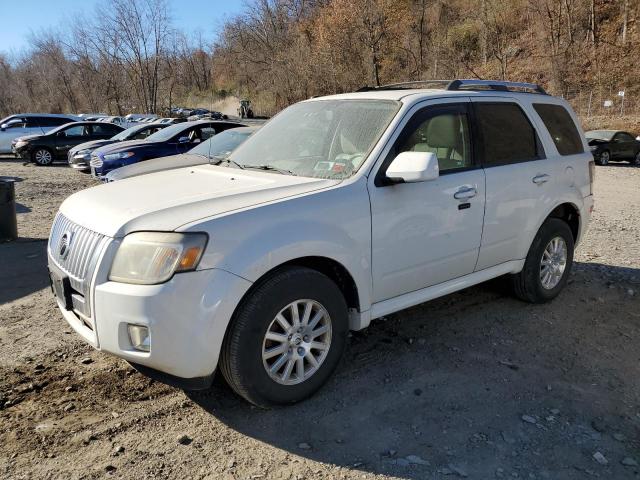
x=54, y=144
x=613, y=145
x=214, y=150
x=172, y=140
x=80, y=155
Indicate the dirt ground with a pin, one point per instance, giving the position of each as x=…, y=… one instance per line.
x=474, y=385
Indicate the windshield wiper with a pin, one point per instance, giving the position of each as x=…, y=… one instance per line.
x=219, y=160
x=271, y=168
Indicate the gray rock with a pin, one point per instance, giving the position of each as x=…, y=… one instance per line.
x=402, y=462
x=416, y=460
x=554, y=411
x=619, y=437
x=68, y=407
x=629, y=462
x=184, y=439
x=600, y=458
x=459, y=471
x=86, y=361
x=304, y=446
x=528, y=419
x=118, y=449
x=598, y=425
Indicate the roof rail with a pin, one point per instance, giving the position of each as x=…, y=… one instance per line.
x=459, y=84
x=499, y=85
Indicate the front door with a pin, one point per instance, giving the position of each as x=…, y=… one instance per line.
x=427, y=233
x=70, y=137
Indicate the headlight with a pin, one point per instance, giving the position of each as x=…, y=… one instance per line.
x=21, y=143
x=593, y=149
x=118, y=156
x=85, y=151
x=149, y=258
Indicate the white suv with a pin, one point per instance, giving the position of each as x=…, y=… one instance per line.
x=338, y=211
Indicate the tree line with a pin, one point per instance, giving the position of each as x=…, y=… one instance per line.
x=129, y=57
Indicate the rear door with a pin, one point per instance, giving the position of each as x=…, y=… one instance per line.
x=103, y=132
x=519, y=177
x=624, y=146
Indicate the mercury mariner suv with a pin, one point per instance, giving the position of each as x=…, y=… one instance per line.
x=340, y=210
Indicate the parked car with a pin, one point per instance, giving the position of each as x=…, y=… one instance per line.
x=44, y=149
x=214, y=150
x=338, y=211
x=19, y=125
x=613, y=145
x=80, y=155
x=172, y=140
x=211, y=115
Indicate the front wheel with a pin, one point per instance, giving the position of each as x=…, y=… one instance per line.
x=636, y=160
x=286, y=338
x=548, y=263
x=42, y=157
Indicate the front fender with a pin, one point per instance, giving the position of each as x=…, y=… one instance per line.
x=333, y=223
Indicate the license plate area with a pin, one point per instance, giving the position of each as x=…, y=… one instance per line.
x=61, y=287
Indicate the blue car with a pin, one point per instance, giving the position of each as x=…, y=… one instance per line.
x=169, y=141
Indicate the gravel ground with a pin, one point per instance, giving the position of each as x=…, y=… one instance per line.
x=473, y=385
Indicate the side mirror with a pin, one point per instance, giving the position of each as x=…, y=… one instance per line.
x=3, y=127
x=61, y=134
x=183, y=140
x=411, y=167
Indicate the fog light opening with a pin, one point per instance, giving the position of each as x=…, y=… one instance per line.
x=139, y=337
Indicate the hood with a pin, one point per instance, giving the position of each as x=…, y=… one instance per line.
x=93, y=144
x=166, y=200
x=26, y=137
x=122, y=146
x=157, y=165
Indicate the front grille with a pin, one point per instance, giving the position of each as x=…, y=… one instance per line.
x=75, y=249
x=96, y=161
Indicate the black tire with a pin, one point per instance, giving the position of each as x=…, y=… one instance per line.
x=241, y=356
x=604, y=158
x=527, y=284
x=42, y=157
x=636, y=160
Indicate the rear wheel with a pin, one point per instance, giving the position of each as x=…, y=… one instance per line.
x=42, y=157
x=548, y=263
x=286, y=338
x=604, y=158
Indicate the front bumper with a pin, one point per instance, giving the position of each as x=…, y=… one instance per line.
x=79, y=162
x=187, y=318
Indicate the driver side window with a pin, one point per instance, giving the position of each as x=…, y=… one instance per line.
x=443, y=131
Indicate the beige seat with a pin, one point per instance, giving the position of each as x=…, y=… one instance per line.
x=441, y=135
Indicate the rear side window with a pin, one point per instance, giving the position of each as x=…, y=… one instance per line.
x=561, y=128
x=105, y=129
x=506, y=134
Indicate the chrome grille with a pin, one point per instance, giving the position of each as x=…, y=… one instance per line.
x=95, y=161
x=74, y=249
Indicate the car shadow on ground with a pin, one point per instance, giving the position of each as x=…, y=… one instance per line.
x=442, y=388
x=23, y=268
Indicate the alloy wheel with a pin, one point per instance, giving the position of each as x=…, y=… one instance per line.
x=43, y=157
x=604, y=158
x=297, y=342
x=553, y=263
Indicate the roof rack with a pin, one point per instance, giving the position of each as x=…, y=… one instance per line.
x=499, y=85
x=469, y=84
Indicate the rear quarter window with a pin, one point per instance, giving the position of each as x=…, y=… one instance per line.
x=561, y=127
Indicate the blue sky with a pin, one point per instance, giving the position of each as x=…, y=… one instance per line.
x=21, y=17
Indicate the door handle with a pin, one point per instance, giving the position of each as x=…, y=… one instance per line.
x=465, y=192
x=540, y=179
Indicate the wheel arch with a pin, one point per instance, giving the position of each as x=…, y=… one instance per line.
x=569, y=213
x=330, y=267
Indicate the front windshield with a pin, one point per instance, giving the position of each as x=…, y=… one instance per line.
x=167, y=133
x=222, y=144
x=600, y=135
x=323, y=138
